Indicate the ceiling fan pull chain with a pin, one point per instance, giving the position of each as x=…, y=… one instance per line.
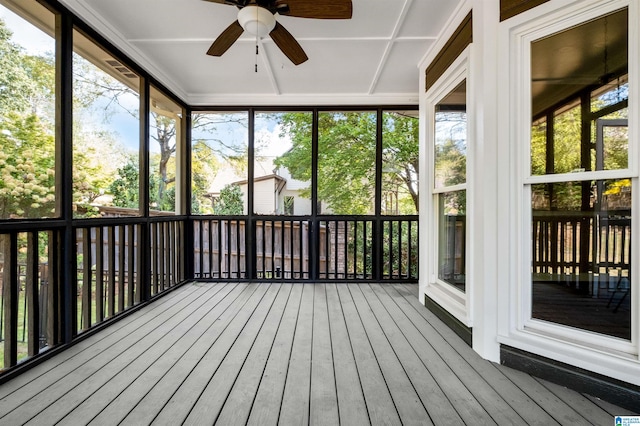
x=257, y=19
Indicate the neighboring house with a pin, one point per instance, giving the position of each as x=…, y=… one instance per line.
x=275, y=191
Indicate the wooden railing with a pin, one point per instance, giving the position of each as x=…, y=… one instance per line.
x=302, y=248
x=27, y=307
x=576, y=246
x=40, y=298
x=59, y=281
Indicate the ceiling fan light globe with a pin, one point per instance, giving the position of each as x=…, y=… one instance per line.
x=256, y=20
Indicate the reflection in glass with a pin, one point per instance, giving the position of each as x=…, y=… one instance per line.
x=219, y=159
x=581, y=265
x=106, y=136
x=451, y=138
x=400, y=162
x=579, y=78
x=282, y=168
x=612, y=144
x=164, y=132
x=451, y=238
x=27, y=115
x=346, y=162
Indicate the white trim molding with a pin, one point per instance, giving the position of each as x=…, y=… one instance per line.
x=456, y=302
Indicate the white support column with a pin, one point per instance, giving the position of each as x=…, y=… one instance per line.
x=483, y=178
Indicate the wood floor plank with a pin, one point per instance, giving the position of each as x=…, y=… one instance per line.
x=238, y=405
x=154, y=388
x=36, y=396
x=186, y=396
x=351, y=403
x=406, y=398
x=437, y=333
x=380, y=405
x=274, y=353
x=448, y=367
x=213, y=397
x=266, y=405
x=98, y=341
x=156, y=342
x=141, y=374
x=442, y=393
x=587, y=409
x=612, y=409
x=324, y=399
x=295, y=400
x=549, y=402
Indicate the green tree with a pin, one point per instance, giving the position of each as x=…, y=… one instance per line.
x=346, y=157
x=15, y=84
x=400, y=156
x=125, y=188
x=230, y=201
x=27, y=168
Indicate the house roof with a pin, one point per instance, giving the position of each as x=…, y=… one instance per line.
x=371, y=59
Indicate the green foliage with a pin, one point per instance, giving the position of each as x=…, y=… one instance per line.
x=399, y=249
x=204, y=166
x=400, y=157
x=27, y=168
x=125, y=188
x=346, y=157
x=230, y=201
x=566, y=145
x=451, y=163
x=15, y=85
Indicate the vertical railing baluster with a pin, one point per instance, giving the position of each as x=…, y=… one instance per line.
x=219, y=245
x=292, y=249
x=273, y=248
x=142, y=284
x=155, y=276
x=327, y=249
x=409, y=249
x=31, y=290
x=160, y=255
x=229, y=248
x=171, y=253
x=200, y=272
x=210, y=244
x=336, y=258
x=390, y=236
x=86, y=278
x=355, y=249
x=10, y=298
x=99, y=275
x=111, y=259
x=399, y=254
x=130, y=265
x=283, y=249
x=121, y=265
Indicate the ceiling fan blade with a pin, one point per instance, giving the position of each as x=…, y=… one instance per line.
x=229, y=2
x=226, y=39
x=318, y=9
x=289, y=46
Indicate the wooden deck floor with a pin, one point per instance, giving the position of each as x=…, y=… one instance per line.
x=291, y=354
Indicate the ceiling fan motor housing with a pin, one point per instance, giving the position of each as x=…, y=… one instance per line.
x=256, y=20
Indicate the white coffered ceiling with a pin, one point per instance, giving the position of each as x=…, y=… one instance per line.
x=370, y=59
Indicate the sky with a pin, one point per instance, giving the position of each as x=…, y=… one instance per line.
x=29, y=37
x=126, y=127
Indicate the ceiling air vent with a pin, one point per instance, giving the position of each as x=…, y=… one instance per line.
x=121, y=68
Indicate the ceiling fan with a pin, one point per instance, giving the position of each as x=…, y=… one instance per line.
x=257, y=17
